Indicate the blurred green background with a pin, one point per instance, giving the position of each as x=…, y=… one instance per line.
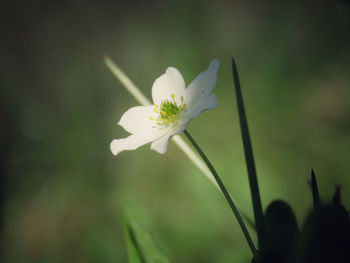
x=63, y=192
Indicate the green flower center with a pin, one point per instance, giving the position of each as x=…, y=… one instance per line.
x=168, y=111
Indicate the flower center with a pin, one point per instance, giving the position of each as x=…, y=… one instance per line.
x=168, y=111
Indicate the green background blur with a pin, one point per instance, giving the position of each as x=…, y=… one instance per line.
x=63, y=192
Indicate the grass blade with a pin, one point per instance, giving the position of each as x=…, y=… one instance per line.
x=248, y=152
x=314, y=189
x=134, y=252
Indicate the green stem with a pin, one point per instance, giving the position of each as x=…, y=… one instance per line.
x=248, y=151
x=225, y=192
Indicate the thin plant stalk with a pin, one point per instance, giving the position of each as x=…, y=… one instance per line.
x=225, y=192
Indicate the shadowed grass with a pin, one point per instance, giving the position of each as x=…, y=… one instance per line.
x=314, y=189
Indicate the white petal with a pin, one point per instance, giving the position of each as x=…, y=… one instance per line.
x=203, y=84
x=206, y=103
x=161, y=145
x=137, y=119
x=169, y=83
x=134, y=141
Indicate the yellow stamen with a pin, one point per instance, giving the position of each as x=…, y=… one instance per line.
x=172, y=96
x=157, y=106
x=158, y=123
x=166, y=121
x=151, y=118
x=155, y=110
x=163, y=113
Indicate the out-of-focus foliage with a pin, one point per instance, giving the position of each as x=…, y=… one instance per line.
x=62, y=191
x=141, y=246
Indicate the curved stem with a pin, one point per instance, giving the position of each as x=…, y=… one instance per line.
x=225, y=193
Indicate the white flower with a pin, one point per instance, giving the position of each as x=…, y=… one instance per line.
x=174, y=106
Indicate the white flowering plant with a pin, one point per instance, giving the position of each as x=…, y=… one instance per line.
x=174, y=106
x=324, y=237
